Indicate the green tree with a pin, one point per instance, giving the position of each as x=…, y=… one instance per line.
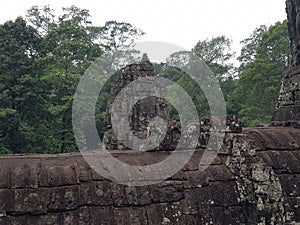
x=42, y=59
x=41, y=18
x=265, y=56
x=21, y=92
x=70, y=50
x=216, y=53
x=118, y=39
x=251, y=46
x=119, y=35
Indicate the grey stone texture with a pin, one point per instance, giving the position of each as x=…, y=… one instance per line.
x=142, y=112
x=145, y=110
x=255, y=178
x=288, y=107
x=293, y=14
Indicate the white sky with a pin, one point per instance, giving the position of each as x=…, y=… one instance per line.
x=181, y=22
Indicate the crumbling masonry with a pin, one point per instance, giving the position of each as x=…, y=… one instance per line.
x=254, y=180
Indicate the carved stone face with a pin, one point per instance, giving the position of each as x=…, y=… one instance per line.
x=143, y=111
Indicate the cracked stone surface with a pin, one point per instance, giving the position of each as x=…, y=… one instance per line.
x=255, y=179
x=288, y=107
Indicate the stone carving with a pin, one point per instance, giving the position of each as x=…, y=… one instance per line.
x=255, y=178
x=288, y=107
x=293, y=12
x=142, y=112
x=151, y=107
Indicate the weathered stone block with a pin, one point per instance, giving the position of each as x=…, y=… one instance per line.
x=100, y=215
x=63, y=198
x=96, y=193
x=130, y=216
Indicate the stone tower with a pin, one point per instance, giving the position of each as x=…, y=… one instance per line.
x=142, y=112
x=288, y=107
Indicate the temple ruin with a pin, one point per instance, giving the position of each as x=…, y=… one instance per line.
x=142, y=112
x=255, y=179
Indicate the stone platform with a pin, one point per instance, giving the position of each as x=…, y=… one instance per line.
x=254, y=180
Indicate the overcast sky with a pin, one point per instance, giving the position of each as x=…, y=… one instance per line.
x=181, y=22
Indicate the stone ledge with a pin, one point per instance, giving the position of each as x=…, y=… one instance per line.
x=246, y=181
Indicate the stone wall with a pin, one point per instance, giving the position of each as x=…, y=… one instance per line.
x=254, y=180
x=293, y=13
x=288, y=107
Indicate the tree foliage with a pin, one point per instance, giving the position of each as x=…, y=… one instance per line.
x=216, y=53
x=118, y=35
x=43, y=57
x=42, y=61
x=264, y=58
x=22, y=96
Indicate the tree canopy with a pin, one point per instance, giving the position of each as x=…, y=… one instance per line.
x=265, y=56
x=42, y=59
x=44, y=55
